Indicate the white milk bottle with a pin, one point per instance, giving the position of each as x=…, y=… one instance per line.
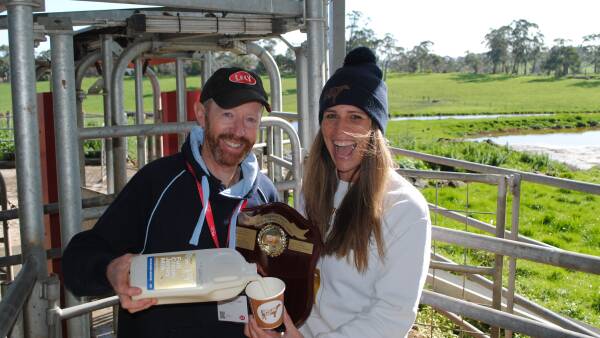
x=191, y=276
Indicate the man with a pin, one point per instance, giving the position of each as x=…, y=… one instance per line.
x=163, y=208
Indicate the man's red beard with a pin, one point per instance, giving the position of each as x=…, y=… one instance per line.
x=222, y=157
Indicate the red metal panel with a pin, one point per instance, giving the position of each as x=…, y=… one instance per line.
x=169, y=114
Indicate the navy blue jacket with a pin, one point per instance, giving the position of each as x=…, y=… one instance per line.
x=157, y=211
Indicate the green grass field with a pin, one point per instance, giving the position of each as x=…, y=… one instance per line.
x=446, y=94
x=419, y=94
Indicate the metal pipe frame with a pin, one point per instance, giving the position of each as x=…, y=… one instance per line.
x=481, y=225
x=295, y=145
x=530, y=306
x=483, y=168
x=506, y=247
x=135, y=130
x=118, y=109
x=280, y=7
x=280, y=162
x=67, y=154
x=499, y=258
x=338, y=35
x=482, y=178
x=469, y=329
x=17, y=330
x=272, y=70
x=139, y=111
x=14, y=299
x=70, y=312
x=180, y=90
x=18, y=259
x=5, y=232
x=206, y=67
x=155, y=149
x=306, y=137
x=27, y=149
x=494, y=317
x=447, y=175
x=52, y=208
x=316, y=46
x=276, y=136
x=468, y=269
x=80, y=70
x=107, y=71
x=285, y=115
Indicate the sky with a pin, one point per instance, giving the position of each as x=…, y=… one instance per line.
x=454, y=26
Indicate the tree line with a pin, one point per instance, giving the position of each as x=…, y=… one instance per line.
x=516, y=48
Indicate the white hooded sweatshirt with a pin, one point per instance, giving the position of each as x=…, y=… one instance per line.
x=383, y=300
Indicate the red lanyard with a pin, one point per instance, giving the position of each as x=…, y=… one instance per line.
x=209, y=214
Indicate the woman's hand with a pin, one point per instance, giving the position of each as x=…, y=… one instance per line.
x=253, y=331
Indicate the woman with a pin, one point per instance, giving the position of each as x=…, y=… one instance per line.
x=375, y=224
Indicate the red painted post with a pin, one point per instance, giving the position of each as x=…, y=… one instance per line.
x=49, y=174
x=169, y=114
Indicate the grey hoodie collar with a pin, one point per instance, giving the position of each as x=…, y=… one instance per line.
x=249, y=167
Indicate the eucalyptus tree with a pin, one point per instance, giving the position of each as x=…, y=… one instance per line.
x=521, y=37
x=536, y=47
x=592, y=47
x=562, y=58
x=4, y=63
x=418, y=55
x=389, y=52
x=497, y=40
x=360, y=35
x=473, y=61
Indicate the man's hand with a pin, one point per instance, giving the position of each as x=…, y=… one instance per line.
x=117, y=274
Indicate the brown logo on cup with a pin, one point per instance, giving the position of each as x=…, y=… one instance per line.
x=270, y=312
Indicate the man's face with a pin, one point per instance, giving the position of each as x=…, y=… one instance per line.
x=231, y=133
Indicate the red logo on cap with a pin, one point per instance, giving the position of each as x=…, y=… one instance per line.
x=243, y=78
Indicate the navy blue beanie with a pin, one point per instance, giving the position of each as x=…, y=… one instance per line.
x=358, y=83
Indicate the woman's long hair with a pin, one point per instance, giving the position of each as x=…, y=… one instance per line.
x=358, y=219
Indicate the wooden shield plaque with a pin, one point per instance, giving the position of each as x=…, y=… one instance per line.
x=284, y=245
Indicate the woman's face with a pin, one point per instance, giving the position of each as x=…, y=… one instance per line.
x=346, y=131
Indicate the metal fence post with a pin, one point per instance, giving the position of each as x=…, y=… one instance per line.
x=515, y=190
x=27, y=149
x=80, y=71
x=316, y=46
x=180, y=89
x=69, y=189
x=155, y=148
x=302, y=99
x=139, y=111
x=499, y=259
x=118, y=110
x=107, y=69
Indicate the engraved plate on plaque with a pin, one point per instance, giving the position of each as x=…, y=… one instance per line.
x=174, y=271
x=245, y=238
x=300, y=246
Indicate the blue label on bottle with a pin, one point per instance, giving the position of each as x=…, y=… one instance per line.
x=150, y=273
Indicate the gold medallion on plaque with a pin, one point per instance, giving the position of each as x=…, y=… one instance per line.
x=272, y=240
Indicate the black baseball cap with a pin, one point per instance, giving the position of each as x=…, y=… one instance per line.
x=231, y=87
